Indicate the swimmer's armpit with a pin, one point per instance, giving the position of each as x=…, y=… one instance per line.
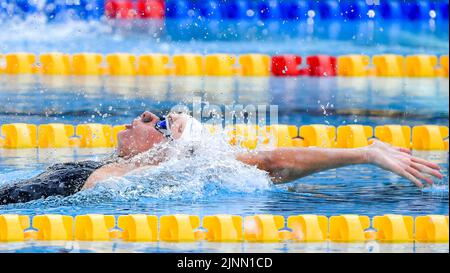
x=107, y=171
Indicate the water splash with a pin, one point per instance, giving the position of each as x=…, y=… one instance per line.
x=183, y=171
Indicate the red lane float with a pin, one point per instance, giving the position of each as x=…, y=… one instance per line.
x=286, y=65
x=150, y=9
x=317, y=66
x=321, y=66
x=128, y=9
x=119, y=9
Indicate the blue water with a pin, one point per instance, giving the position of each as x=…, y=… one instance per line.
x=373, y=101
x=300, y=101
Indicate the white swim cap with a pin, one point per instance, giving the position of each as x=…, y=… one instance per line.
x=192, y=131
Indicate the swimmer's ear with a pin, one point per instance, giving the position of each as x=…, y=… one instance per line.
x=173, y=118
x=181, y=127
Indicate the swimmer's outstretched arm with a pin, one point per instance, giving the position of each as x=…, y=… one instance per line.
x=287, y=164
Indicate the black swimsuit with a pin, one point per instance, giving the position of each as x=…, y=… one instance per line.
x=61, y=179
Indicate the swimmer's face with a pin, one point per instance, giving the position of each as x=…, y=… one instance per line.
x=139, y=136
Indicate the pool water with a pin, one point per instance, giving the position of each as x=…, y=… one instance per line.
x=362, y=189
x=335, y=101
x=126, y=247
x=300, y=100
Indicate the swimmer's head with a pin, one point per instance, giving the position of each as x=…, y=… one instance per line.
x=144, y=132
x=139, y=136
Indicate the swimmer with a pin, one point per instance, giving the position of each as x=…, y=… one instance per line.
x=147, y=131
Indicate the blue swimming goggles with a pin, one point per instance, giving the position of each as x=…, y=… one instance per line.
x=163, y=127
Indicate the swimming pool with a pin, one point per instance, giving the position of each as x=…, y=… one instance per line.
x=357, y=190
x=373, y=101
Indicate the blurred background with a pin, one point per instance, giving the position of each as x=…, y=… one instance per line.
x=272, y=27
x=230, y=26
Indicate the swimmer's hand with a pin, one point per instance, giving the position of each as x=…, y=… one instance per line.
x=401, y=162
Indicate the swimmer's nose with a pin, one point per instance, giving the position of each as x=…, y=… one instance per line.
x=148, y=117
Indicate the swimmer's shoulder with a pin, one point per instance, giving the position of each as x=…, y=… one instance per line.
x=85, y=164
x=109, y=170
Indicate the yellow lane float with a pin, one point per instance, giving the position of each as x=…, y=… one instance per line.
x=153, y=65
x=389, y=65
x=20, y=63
x=318, y=135
x=308, y=228
x=191, y=64
x=87, y=64
x=51, y=227
x=444, y=65
x=281, y=135
x=12, y=227
x=223, y=228
x=394, y=228
x=19, y=135
x=188, y=64
x=220, y=65
x=139, y=227
x=430, y=137
x=56, y=135
x=94, y=135
x=396, y=135
x=432, y=229
x=94, y=227
x=263, y=228
x=121, y=64
x=353, y=136
x=348, y=228
x=254, y=65
x=244, y=135
x=421, y=65
x=55, y=64
x=178, y=228
x=353, y=65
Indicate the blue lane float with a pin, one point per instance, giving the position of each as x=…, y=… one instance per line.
x=82, y=9
x=354, y=10
x=443, y=10
x=268, y=10
x=286, y=10
x=210, y=9
x=417, y=10
x=389, y=9
x=237, y=9
x=177, y=9
x=54, y=9
x=295, y=10
x=25, y=6
x=328, y=9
